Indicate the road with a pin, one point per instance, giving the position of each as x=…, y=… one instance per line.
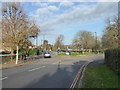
x=55, y=72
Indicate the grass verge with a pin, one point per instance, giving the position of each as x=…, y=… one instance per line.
x=86, y=53
x=100, y=77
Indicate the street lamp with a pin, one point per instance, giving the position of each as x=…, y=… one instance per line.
x=36, y=39
x=96, y=40
x=43, y=40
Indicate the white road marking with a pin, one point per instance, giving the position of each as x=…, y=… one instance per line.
x=57, y=62
x=3, y=78
x=54, y=63
x=37, y=68
x=72, y=64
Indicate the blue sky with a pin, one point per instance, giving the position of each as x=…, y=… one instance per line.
x=67, y=18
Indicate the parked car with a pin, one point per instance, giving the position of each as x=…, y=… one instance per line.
x=47, y=54
x=67, y=53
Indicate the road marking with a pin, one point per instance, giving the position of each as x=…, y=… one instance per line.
x=78, y=78
x=72, y=64
x=37, y=68
x=3, y=78
x=57, y=62
x=54, y=63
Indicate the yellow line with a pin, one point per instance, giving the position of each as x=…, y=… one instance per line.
x=82, y=75
x=76, y=78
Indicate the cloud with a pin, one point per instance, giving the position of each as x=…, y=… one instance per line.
x=80, y=15
x=43, y=13
x=45, y=5
x=41, y=4
x=66, y=4
x=53, y=8
x=40, y=15
x=59, y=0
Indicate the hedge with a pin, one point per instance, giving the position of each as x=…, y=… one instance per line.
x=32, y=51
x=28, y=52
x=112, y=59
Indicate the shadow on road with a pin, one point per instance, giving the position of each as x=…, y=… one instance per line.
x=62, y=78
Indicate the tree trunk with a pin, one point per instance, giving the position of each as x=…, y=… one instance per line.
x=17, y=55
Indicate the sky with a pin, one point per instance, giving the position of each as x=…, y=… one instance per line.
x=67, y=18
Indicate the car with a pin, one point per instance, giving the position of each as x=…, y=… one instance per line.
x=47, y=54
x=68, y=53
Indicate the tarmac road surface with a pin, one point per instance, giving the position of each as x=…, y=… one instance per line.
x=55, y=72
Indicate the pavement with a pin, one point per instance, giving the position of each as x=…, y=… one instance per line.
x=30, y=60
x=97, y=63
x=55, y=72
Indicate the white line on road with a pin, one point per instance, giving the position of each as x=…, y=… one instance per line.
x=57, y=62
x=37, y=68
x=54, y=63
x=3, y=78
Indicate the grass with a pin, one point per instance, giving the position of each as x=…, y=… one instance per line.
x=100, y=77
x=86, y=53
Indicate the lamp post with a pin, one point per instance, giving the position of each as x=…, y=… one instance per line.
x=118, y=24
x=43, y=41
x=36, y=39
x=96, y=41
x=36, y=42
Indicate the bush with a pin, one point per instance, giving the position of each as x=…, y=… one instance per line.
x=112, y=59
x=32, y=51
x=28, y=51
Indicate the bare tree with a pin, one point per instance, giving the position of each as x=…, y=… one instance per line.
x=84, y=39
x=16, y=27
x=110, y=37
x=59, y=42
x=76, y=43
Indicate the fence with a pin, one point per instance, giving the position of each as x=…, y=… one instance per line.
x=7, y=58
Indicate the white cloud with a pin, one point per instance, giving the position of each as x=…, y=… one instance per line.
x=59, y=0
x=53, y=8
x=80, y=15
x=44, y=13
x=41, y=4
x=66, y=4
x=82, y=0
x=41, y=14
